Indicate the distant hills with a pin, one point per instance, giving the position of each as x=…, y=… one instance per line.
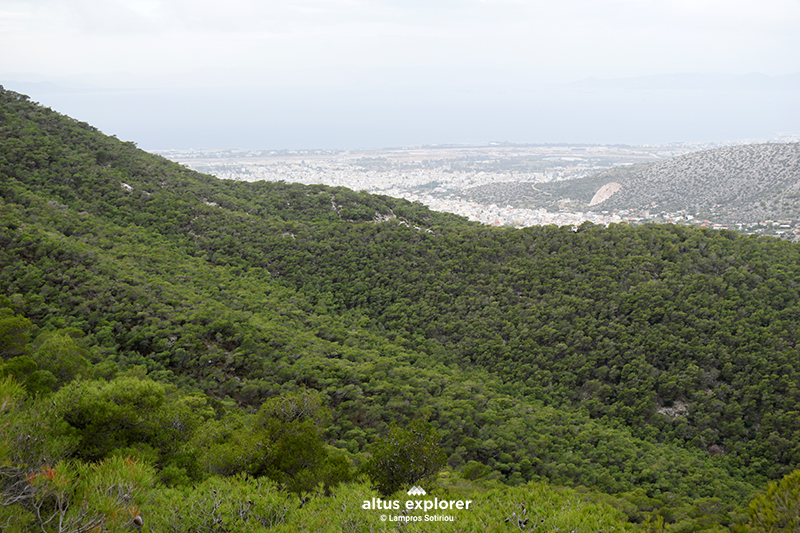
x=734, y=184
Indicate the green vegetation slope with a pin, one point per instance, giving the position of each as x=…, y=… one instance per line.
x=657, y=363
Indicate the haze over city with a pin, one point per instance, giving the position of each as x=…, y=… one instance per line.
x=348, y=74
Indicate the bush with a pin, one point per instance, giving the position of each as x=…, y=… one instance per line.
x=778, y=509
x=405, y=457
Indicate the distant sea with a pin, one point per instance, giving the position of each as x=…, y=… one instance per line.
x=634, y=111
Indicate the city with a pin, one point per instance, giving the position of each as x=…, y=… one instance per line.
x=438, y=176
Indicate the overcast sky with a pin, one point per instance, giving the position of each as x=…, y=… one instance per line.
x=392, y=70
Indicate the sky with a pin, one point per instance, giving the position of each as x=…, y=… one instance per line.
x=271, y=74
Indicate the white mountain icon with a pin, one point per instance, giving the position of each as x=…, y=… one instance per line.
x=416, y=491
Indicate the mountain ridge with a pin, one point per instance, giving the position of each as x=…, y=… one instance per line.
x=735, y=184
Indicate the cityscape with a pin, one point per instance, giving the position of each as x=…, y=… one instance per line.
x=439, y=175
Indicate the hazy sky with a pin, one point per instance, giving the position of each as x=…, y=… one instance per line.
x=380, y=67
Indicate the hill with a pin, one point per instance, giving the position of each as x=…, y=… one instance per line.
x=734, y=184
x=657, y=363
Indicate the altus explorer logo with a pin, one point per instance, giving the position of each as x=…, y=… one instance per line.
x=408, y=509
x=426, y=505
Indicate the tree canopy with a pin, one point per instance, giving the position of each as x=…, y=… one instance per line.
x=212, y=328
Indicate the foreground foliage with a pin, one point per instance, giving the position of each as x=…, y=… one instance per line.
x=779, y=508
x=405, y=457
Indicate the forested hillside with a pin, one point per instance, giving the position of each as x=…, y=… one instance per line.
x=189, y=332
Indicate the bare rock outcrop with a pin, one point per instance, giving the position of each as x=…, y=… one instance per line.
x=605, y=192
